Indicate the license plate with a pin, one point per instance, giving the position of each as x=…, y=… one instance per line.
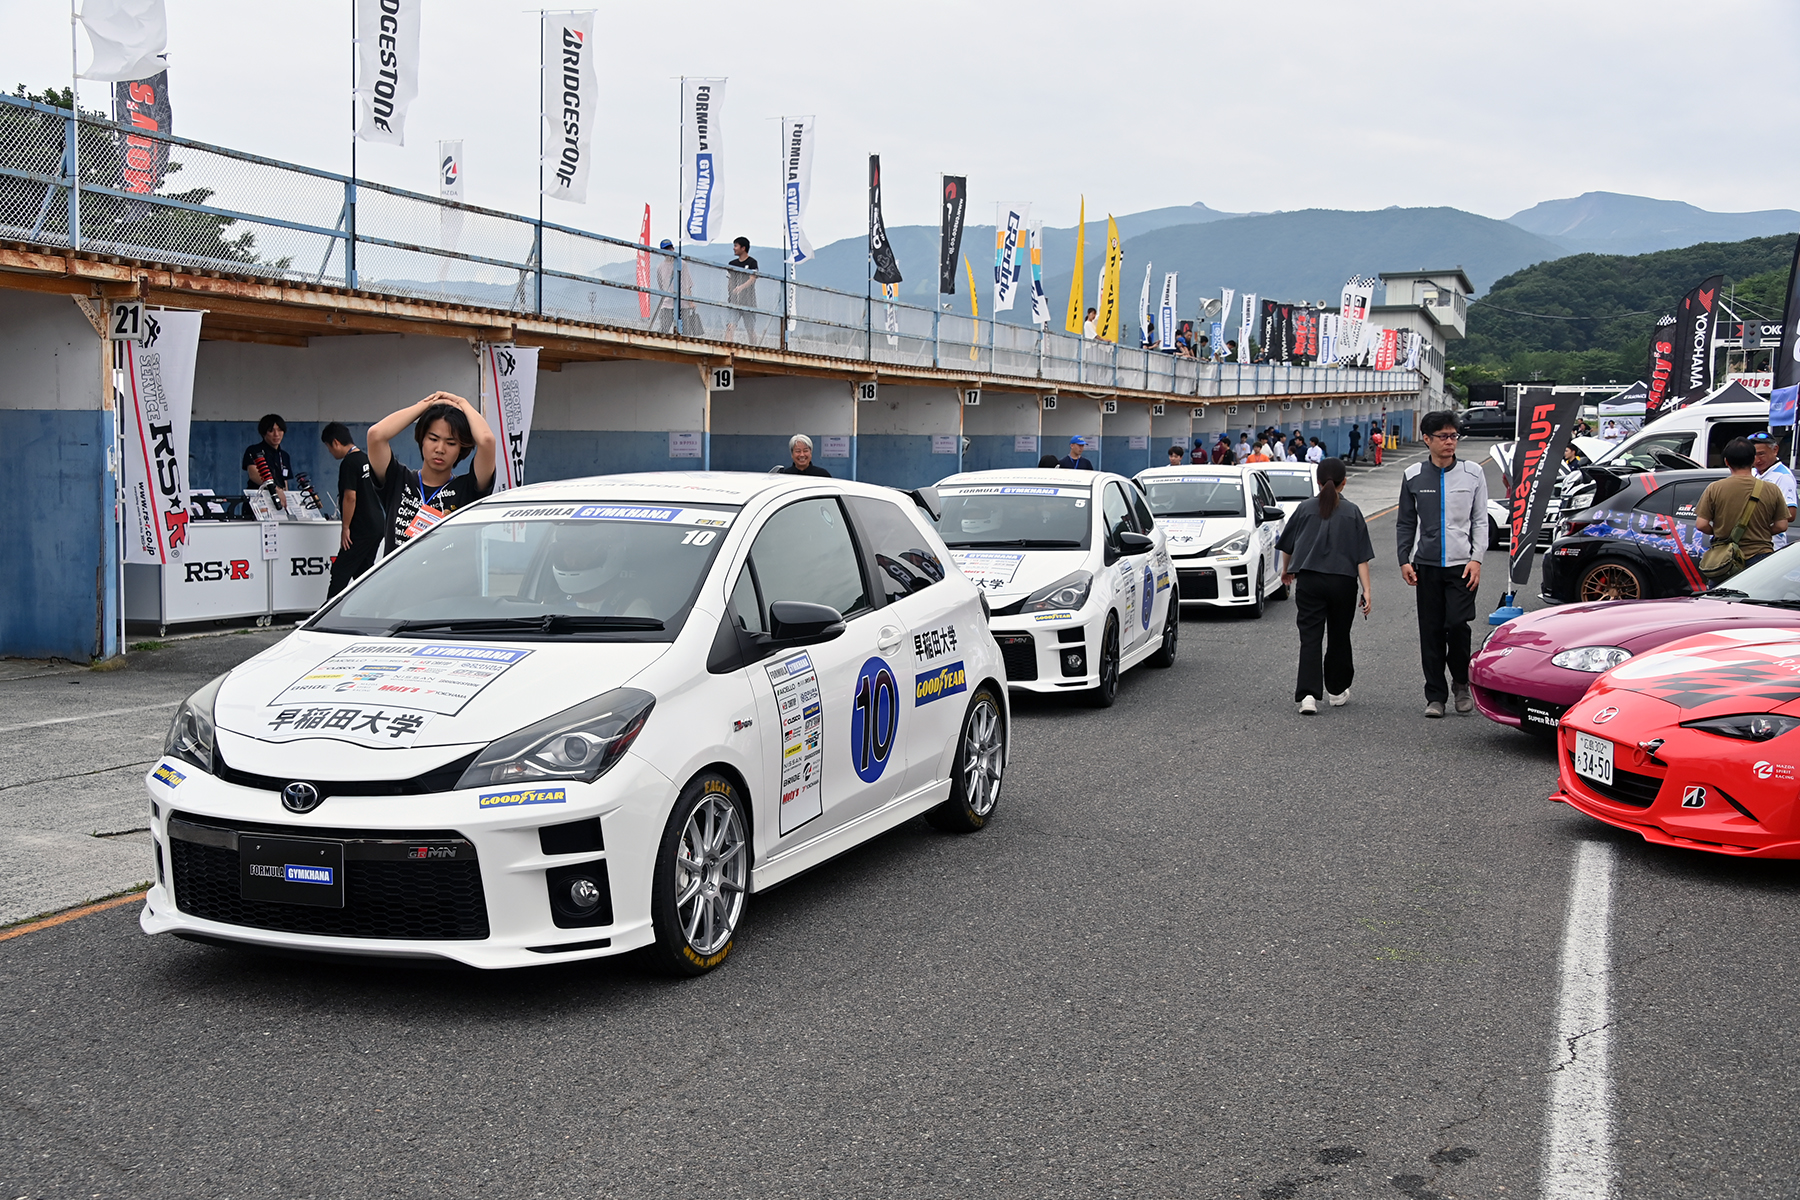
x=1594, y=758
x=286, y=870
x=1536, y=712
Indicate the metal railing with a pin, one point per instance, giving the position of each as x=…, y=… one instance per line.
x=182, y=202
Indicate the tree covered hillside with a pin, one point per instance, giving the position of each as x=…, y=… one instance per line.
x=1603, y=343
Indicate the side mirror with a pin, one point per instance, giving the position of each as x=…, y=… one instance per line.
x=1135, y=543
x=797, y=623
x=1272, y=512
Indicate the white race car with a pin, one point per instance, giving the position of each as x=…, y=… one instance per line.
x=1289, y=482
x=580, y=718
x=1222, y=524
x=1074, y=569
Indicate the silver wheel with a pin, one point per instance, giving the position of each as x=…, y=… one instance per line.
x=983, y=752
x=711, y=863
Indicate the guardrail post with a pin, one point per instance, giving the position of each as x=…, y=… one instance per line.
x=73, y=160
x=868, y=329
x=678, y=291
x=350, y=235
x=937, y=356
x=537, y=252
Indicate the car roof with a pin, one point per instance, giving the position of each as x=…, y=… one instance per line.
x=1193, y=470
x=1298, y=468
x=1038, y=476
x=692, y=487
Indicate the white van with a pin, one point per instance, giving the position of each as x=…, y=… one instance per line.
x=1700, y=430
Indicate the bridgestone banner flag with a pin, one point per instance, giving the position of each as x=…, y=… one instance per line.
x=1787, y=356
x=1546, y=423
x=1165, y=314
x=143, y=104
x=570, y=104
x=702, y=159
x=155, y=408
x=887, y=271
x=508, y=395
x=952, y=208
x=387, y=57
x=1010, y=232
x=796, y=176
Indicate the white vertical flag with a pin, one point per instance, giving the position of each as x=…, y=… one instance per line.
x=1247, y=327
x=1353, y=311
x=157, y=407
x=387, y=57
x=508, y=395
x=1010, y=225
x=1144, y=309
x=129, y=38
x=570, y=104
x=1040, y=303
x=702, y=159
x=1225, y=298
x=1165, y=315
x=796, y=174
x=450, y=187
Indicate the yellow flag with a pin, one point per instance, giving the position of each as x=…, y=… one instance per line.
x=1108, y=319
x=974, y=307
x=1077, y=299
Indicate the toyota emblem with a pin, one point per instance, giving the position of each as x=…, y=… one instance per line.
x=1604, y=715
x=300, y=797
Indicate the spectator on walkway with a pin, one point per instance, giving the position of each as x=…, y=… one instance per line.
x=1441, y=533
x=1231, y=353
x=664, y=321
x=1325, y=556
x=1203, y=348
x=1355, y=442
x=1770, y=467
x=1075, y=461
x=1740, y=501
x=800, y=449
x=1089, y=329
x=742, y=279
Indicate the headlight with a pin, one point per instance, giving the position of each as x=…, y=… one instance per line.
x=1071, y=592
x=580, y=743
x=1591, y=658
x=1230, y=546
x=1750, y=727
x=191, y=732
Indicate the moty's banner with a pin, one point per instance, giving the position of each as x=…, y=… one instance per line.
x=143, y=104
x=155, y=408
x=1787, y=356
x=387, y=57
x=703, y=158
x=1546, y=423
x=796, y=176
x=508, y=395
x=1009, y=235
x=887, y=271
x=643, y=267
x=1165, y=314
x=1662, y=367
x=450, y=187
x=570, y=104
x=952, y=209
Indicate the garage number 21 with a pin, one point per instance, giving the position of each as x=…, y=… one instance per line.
x=874, y=720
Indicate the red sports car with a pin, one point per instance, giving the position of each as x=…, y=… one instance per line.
x=1693, y=744
x=1534, y=667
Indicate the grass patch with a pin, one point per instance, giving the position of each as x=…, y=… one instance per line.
x=146, y=646
x=115, y=663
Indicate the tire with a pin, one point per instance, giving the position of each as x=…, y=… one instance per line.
x=976, y=774
x=1171, y=635
x=1107, y=690
x=707, y=830
x=1609, y=578
x=1258, y=606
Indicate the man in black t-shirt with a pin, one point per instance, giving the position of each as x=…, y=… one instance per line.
x=360, y=504
x=281, y=471
x=742, y=278
x=447, y=429
x=800, y=450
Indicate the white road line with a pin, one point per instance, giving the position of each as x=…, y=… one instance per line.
x=111, y=712
x=1578, y=1120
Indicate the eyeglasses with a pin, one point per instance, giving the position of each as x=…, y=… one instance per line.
x=1448, y=436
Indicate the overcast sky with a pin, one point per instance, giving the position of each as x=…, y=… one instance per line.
x=1357, y=104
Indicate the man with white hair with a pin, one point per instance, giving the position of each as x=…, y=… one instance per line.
x=800, y=447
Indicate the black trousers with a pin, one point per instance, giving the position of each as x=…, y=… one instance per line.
x=1324, y=608
x=1446, y=606
x=351, y=563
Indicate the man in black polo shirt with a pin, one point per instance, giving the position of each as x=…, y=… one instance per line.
x=742, y=280
x=1074, y=461
x=363, y=517
x=281, y=471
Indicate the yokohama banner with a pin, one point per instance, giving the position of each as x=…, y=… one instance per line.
x=569, y=104
x=702, y=158
x=1694, y=319
x=953, y=207
x=796, y=177
x=508, y=394
x=1546, y=423
x=387, y=58
x=1787, y=355
x=155, y=408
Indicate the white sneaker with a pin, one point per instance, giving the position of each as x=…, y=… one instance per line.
x=1338, y=699
x=1309, y=706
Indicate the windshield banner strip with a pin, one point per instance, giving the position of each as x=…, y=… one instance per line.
x=1014, y=490
x=659, y=514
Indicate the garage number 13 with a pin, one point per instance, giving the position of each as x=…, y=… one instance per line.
x=874, y=720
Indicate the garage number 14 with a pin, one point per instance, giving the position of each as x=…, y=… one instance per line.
x=874, y=720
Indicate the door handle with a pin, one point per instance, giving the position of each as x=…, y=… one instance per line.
x=888, y=640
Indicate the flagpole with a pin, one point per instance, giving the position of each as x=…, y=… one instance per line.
x=788, y=275
x=75, y=140
x=937, y=291
x=680, y=174
x=350, y=196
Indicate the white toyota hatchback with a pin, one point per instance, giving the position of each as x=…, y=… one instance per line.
x=1222, y=524
x=581, y=718
x=1074, y=569
x=1290, y=482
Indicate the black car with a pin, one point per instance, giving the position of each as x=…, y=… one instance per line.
x=1486, y=420
x=1636, y=542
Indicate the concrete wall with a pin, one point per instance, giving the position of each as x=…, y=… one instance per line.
x=751, y=425
x=1073, y=415
x=608, y=417
x=993, y=430
x=1117, y=432
x=900, y=436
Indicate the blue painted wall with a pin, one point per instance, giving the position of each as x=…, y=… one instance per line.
x=759, y=451
x=994, y=451
x=1117, y=456
x=53, y=539
x=900, y=460
x=574, y=453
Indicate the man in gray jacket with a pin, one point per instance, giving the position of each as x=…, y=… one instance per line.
x=1441, y=533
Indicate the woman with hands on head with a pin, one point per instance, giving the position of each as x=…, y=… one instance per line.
x=447, y=429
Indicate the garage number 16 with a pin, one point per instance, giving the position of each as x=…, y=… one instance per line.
x=874, y=720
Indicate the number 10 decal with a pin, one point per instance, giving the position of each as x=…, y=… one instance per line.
x=874, y=720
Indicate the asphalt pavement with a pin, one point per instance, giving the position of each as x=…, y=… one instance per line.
x=1207, y=947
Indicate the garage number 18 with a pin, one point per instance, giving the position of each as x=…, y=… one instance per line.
x=874, y=720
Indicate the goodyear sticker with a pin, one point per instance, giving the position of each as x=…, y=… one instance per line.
x=1054, y=616
x=1162, y=581
x=167, y=775
x=528, y=796
x=945, y=681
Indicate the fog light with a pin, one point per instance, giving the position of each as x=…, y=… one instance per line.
x=1074, y=663
x=1240, y=587
x=584, y=896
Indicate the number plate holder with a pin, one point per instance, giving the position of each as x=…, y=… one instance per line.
x=1594, y=758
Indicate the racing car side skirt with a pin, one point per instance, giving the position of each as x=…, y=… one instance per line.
x=780, y=867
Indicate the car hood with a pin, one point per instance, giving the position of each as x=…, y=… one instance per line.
x=384, y=694
x=1636, y=625
x=1006, y=575
x=1724, y=671
x=1192, y=535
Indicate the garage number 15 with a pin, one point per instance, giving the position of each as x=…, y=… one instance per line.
x=874, y=720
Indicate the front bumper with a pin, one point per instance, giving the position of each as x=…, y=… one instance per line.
x=1051, y=652
x=1518, y=686
x=1223, y=582
x=490, y=910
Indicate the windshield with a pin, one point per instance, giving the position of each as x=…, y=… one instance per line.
x=607, y=572
x=1196, y=497
x=1774, y=580
x=1048, y=518
x=1290, y=485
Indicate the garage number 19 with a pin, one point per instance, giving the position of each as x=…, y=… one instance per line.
x=874, y=720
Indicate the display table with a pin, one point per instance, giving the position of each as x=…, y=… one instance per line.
x=223, y=574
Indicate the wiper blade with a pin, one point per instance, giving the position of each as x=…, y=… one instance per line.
x=1770, y=603
x=1724, y=591
x=1012, y=543
x=547, y=623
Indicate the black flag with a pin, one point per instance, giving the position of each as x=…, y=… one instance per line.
x=1787, y=355
x=1662, y=367
x=1546, y=423
x=887, y=271
x=950, y=230
x=144, y=104
x=1693, y=374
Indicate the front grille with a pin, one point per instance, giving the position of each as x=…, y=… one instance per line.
x=404, y=899
x=439, y=779
x=1019, y=651
x=1198, y=584
x=1627, y=787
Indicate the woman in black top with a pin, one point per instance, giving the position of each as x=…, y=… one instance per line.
x=1325, y=554
x=447, y=429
